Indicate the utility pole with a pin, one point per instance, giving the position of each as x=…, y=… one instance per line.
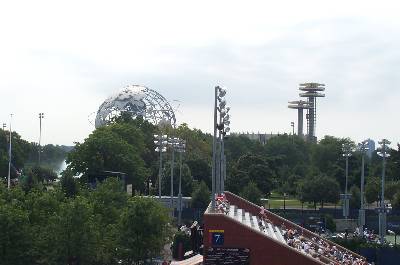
x=9, y=156
x=41, y=116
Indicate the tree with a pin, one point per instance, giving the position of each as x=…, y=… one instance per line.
x=320, y=188
x=117, y=147
x=15, y=235
x=143, y=230
x=355, y=197
x=73, y=238
x=201, y=196
x=69, y=185
x=251, y=168
x=396, y=201
x=187, y=179
x=372, y=190
x=252, y=193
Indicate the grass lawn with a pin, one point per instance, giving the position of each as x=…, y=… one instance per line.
x=275, y=201
x=390, y=238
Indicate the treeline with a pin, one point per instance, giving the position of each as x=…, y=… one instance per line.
x=312, y=172
x=95, y=227
x=25, y=156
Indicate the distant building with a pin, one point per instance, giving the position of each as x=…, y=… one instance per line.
x=371, y=147
x=260, y=137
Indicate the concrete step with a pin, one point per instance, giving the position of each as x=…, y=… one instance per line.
x=278, y=232
x=239, y=215
x=271, y=231
x=232, y=211
x=247, y=218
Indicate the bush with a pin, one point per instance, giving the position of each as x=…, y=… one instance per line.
x=201, y=196
x=330, y=223
x=252, y=193
x=180, y=237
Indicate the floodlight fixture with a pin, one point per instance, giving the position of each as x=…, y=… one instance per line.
x=222, y=104
x=222, y=92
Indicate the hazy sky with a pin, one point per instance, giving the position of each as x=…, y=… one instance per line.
x=64, y=58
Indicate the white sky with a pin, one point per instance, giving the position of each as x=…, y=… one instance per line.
x=64, y=58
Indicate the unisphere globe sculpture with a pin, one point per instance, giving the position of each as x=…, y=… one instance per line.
x=136, y=101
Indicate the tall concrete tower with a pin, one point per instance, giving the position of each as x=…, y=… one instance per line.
x=311, y=91
x=300, y=105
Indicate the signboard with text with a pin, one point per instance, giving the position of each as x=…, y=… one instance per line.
x=225, y=256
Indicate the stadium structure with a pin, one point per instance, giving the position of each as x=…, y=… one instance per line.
x=240, y=232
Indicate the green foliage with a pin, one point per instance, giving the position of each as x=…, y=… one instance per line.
x=201, y=196
x=330, y=223
x=93, y=227
x=15, y=237
x=372, y=189
x=187, y=179
x=180, y=238
x=396, y=201
x=144, y=230
x=251, y=168
x=117, y=147
x=318, y=189
x=252, y=193
x=355, y=199
x=69, y=185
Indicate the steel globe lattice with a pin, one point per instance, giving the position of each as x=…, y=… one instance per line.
x=137, y=101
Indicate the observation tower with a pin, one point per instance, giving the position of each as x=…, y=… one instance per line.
x=300, y=105
x=311, y=91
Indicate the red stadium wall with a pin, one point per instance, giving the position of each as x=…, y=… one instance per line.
x=263, y=250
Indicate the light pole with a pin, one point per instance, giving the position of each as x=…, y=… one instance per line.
x=181, y=148
x=41, y=116
x=173, y=143
x=161, y=143
x=4, y=126
x=346, y=148
x=225, y=121
x=363, y=147
x=292, y=124
x=383, y=152
x=9, y=156
x=219, y=93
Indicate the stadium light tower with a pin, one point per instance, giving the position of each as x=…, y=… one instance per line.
x=180, y=148
x=219, y=94
x=173, y=142
x=41, y=116
x=300, y=105
x=347, y=152
x=9, y=156
x=161, y=142
x=383, y=151
x=311, y=92
x=363, y=148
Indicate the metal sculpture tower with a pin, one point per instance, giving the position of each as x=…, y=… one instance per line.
x=300, y=105
x=311, y=91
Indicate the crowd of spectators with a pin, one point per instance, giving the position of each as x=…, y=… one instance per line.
x=315, y=247
x=222, y=204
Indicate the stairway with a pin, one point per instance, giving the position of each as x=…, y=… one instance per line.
x=251, y=219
